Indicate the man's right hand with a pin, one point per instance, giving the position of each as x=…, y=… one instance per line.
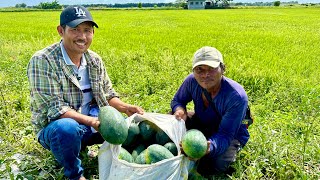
x=180, y=114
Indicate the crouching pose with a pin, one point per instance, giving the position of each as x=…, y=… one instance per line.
x=220, y=105
x=68, y=84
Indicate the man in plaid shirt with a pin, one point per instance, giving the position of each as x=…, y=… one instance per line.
x=68, y=83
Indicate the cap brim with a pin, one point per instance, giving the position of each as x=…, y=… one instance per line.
x=76, y=22
x=213, y=64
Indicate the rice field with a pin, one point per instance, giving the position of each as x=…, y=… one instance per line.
x=273, y=52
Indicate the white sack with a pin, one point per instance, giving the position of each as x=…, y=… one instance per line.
x=111, y=168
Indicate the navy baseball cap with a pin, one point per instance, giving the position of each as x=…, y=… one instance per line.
x=74, y=15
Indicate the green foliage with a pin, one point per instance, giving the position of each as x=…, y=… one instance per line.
x=181, y=4
x=22, y=5
x=148, y=54
x=276, y=3
x=139, y=5
x=47, y=5
x=225, y=3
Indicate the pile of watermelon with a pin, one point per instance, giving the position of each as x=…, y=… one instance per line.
x=141, y=143
x=144, y=142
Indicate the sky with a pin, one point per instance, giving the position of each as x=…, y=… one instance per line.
x=8, y=3
x=12, y=3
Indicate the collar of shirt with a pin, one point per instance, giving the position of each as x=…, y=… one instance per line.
x=68, y=61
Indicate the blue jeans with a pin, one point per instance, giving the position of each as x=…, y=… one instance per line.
x=65, y=138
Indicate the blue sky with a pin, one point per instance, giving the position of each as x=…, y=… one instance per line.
x=8, y=3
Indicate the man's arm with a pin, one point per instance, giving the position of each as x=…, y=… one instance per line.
x=228, y=128
x=124, y=107
x=82, y=119
x=182, y=98
x=94, y=122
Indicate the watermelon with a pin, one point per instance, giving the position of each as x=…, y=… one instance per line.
x=147, y=130
x=135, y=153
x=133, y=133
x=141, y=159
x=125, y=155
x=156, y=153
x=194, y=144
x=113, y=127
x=194, y=175
x=172, y=148
x=162, y=138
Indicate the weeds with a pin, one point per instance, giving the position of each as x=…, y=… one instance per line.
x=273, y=53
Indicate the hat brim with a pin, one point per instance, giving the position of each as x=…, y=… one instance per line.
x=76, y=22
x=213, y=64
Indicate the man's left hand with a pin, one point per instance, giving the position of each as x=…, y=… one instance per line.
x=95, y=123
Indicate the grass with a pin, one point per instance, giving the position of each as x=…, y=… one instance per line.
x=272, y=52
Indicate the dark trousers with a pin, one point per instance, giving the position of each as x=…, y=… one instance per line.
x=209, y=164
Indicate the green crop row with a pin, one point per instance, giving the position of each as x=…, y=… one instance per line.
x=273, y=52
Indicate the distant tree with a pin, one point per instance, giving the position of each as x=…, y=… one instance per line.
x=180, y=3
x=22, y=5
x=276, y=3
x=53, y=5
x=139, y=5
x=225, y=3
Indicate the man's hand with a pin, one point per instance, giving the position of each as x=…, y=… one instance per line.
x=131, y=109
x=180, y=114
x=124, y=107
x=94, y=122
x=208, y=147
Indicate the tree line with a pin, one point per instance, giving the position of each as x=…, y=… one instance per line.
x=177, y=4
x=55, y=5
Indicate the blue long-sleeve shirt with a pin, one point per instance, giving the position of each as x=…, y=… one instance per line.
x=231, y=103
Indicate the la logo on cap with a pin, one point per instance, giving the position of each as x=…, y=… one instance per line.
x=80, y=12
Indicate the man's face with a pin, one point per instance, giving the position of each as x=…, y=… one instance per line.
x=78, y=39
x=208, y=77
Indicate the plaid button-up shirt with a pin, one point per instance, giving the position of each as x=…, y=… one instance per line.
x=54, y=88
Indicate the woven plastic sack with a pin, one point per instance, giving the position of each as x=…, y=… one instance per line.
x=176, y=168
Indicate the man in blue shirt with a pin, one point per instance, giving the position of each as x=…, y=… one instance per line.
x=220, y=105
